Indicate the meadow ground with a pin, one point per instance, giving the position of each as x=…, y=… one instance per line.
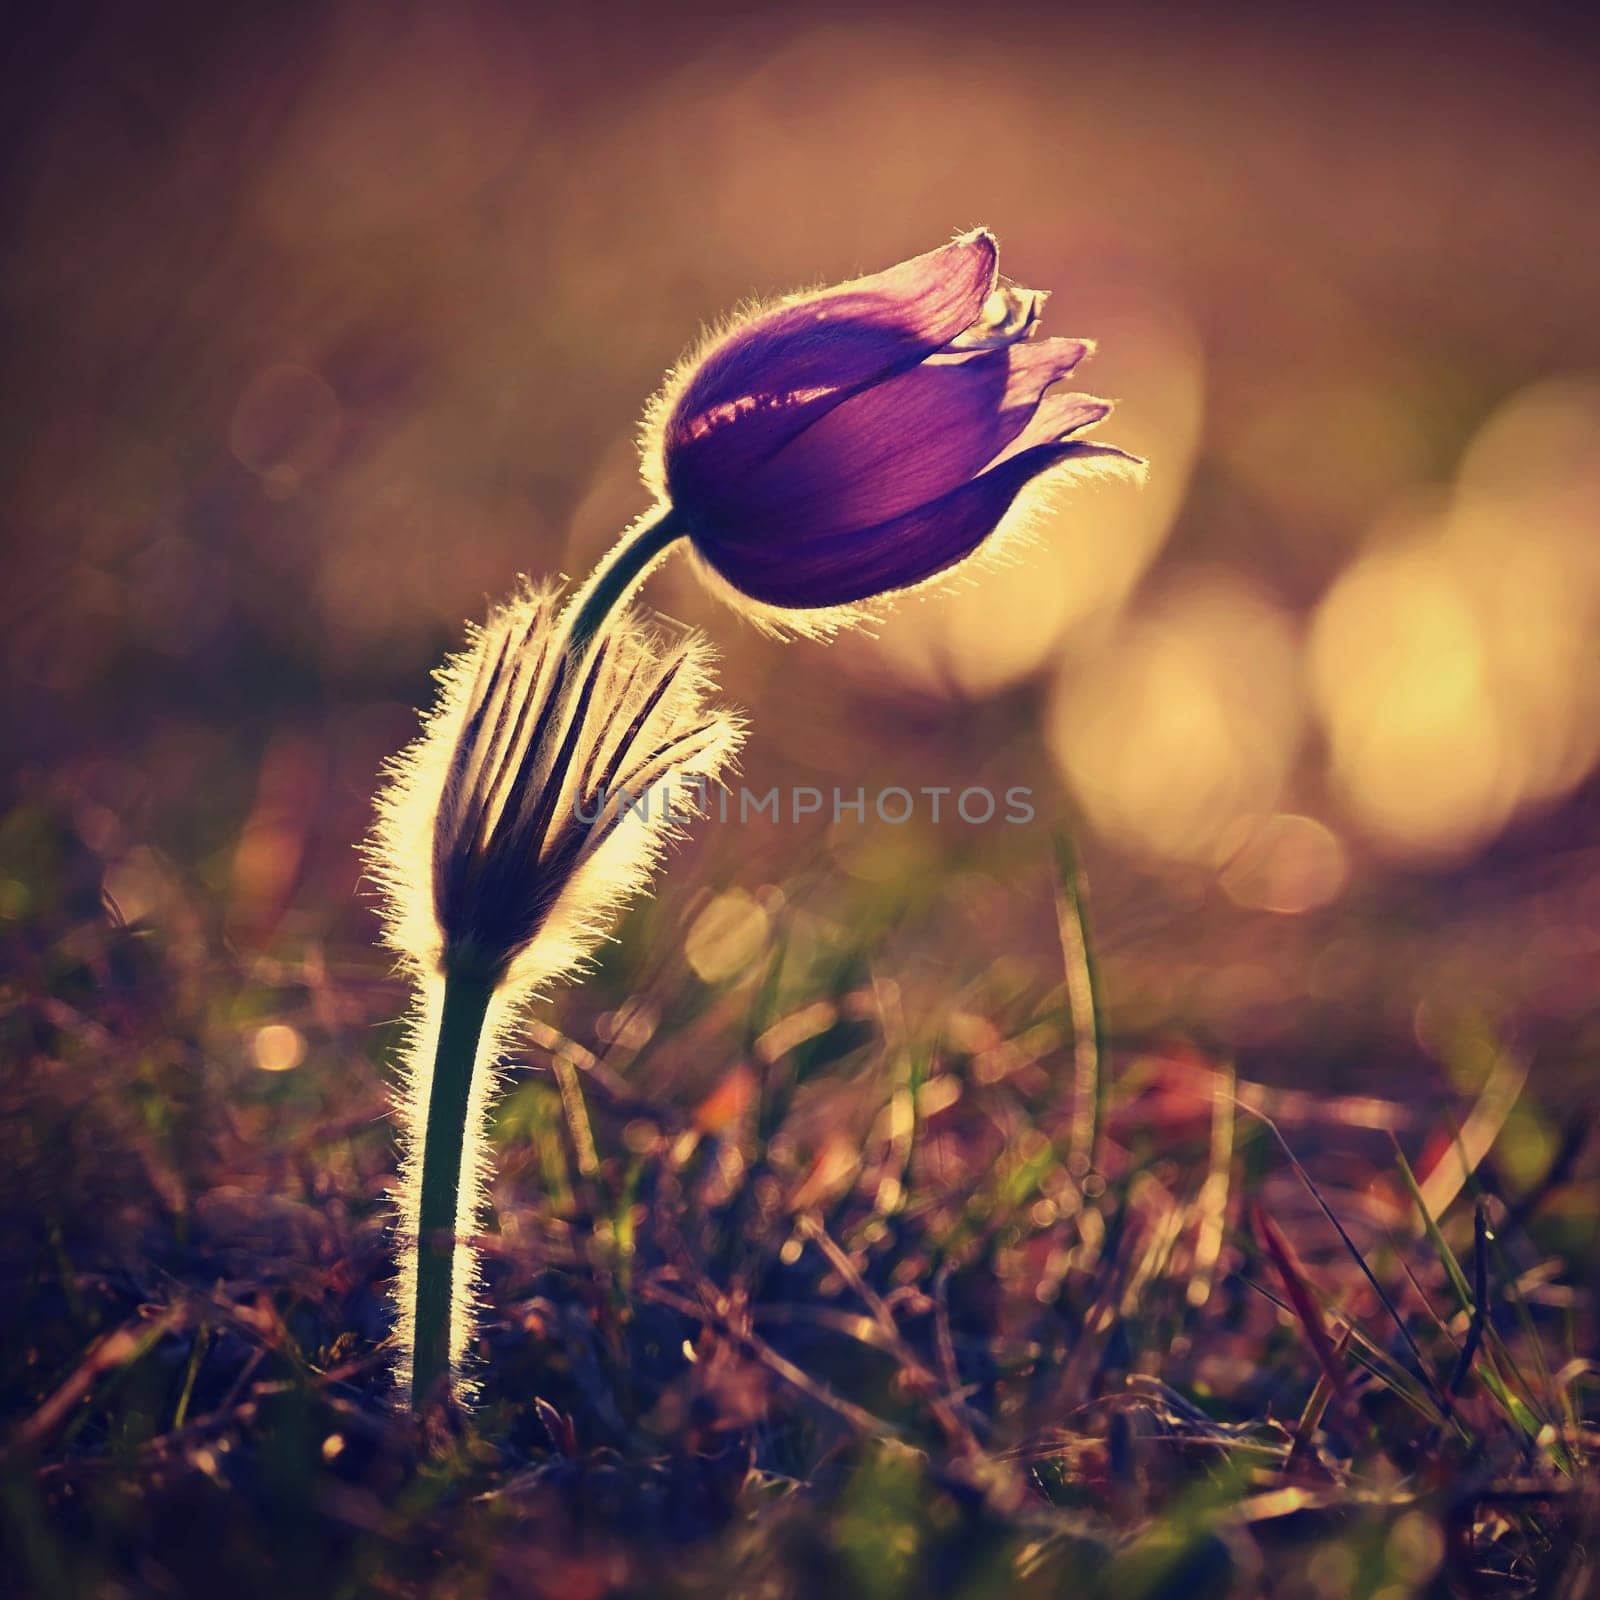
x=802, y=1279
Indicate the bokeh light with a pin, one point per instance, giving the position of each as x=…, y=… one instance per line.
x=727, y=936
x=1185, y=722
x=277, y=1047
x=1285, y=863
x=1454, y=661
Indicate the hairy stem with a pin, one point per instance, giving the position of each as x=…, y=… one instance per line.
x=614, y=579
x=466, y=1005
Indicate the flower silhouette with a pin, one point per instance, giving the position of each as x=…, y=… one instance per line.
x=861, y=439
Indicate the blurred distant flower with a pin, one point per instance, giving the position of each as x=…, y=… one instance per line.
x=861, y=439
x=507, y=836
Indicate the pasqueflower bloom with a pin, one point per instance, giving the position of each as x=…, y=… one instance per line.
x=858, y=440
x=834, y=448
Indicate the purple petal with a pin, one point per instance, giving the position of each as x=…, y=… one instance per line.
x=848, y=567
x=1056, y=416
x=897, y=445
x=787, y=366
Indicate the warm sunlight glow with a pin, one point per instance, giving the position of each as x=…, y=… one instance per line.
x=1454, y=666
x=1400, y=666
x=1185, y=723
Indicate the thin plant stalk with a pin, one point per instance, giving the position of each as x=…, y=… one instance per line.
x=620, y=571
x=464, y=1012
x=1083, y=1002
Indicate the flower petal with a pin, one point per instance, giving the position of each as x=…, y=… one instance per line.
x=849, y=567
x=894, y=446
x=1056, y=416
x=787, y=366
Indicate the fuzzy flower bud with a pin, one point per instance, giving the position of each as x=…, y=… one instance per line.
x=538, y=798
x=862, y=439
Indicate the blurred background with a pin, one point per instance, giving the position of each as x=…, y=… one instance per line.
x=327, y=321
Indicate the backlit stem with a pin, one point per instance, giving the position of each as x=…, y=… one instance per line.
x=466, y=1005
x=617, y=575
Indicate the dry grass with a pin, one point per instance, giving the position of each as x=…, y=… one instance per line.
x=869, y=1313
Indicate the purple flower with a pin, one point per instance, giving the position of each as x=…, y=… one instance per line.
x=862, y=439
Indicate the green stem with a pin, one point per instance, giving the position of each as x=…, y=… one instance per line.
x=466, y=1004
x=618, y=572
